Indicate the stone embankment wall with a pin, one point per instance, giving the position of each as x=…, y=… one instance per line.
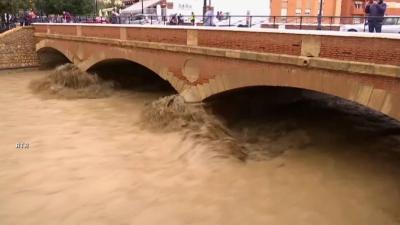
x=17, y=49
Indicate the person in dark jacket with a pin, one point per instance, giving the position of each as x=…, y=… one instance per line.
x=376, y=12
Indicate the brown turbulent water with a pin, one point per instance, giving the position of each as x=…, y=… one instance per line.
x=91, y=161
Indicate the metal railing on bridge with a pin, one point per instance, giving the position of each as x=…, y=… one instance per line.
x=287, y=22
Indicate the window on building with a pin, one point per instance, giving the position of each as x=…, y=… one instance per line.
x=298, y=12
x=397, y=5
x=307, y=12
x=283, y=14
x=358, y=5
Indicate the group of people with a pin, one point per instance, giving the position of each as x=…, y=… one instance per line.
x=176, y=19
x=26, y=18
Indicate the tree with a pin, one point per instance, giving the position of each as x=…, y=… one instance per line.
x=14, y=6
x=75, y=7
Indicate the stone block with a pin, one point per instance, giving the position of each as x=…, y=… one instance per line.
x=192, y=37
x=364, y=94
x=267, y=57
x=311, y=80
x=122, y=33
x=198, y=50
x=329, y=64
x=216, y=52
x=201, y=91
x=171, y=48
x=213, y=86
x=232, y=54
x=385, y=70
x=220, y=83
x=341, y=87
x=248, y=56
x=377, y=99
x=181, y=48
x=288, y=59
x=359, y=67
x=179, y=85
x=391, y=105
x=207, y=89
x=226, y=82
x=271, y=76
x=153, y=45
x=310, y=45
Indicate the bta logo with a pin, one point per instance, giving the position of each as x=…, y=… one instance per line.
x=22, y=145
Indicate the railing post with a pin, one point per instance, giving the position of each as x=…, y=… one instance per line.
x=320, y=15
x=274, y=22
x=301, y=22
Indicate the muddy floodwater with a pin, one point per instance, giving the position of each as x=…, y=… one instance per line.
x=88, y=162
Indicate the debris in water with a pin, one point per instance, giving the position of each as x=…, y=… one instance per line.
x=67, y=81
x=171, y=113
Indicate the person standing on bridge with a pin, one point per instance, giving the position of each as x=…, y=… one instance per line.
x=209, y=17
x=376, y=11
x=67, y=17
x=192, y=18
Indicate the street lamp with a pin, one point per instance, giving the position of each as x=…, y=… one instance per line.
x=142, y=8
x=320, y=15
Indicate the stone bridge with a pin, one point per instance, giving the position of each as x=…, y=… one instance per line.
x=364, y=68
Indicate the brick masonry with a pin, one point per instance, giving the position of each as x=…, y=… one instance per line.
x=225, y=62
x=17, y=48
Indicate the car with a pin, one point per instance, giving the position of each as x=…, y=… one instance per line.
x=143, y=19
x=390, y=24
x=226, y=20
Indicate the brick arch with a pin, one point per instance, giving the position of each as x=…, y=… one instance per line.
x=320, y=81
x=130, y=55
x=43, y=44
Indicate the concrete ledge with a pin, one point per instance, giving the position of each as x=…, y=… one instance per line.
x=317, y=63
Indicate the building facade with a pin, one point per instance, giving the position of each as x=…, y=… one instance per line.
x=333, y=11
x=304, y=8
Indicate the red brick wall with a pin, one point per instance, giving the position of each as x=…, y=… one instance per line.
x=249, y=41
x=373, y=50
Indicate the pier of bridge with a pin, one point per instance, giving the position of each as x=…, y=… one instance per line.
x=203, y=61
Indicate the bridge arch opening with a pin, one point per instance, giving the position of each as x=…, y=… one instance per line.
x=50, y=58
x=131, y=75
x=294, y=118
